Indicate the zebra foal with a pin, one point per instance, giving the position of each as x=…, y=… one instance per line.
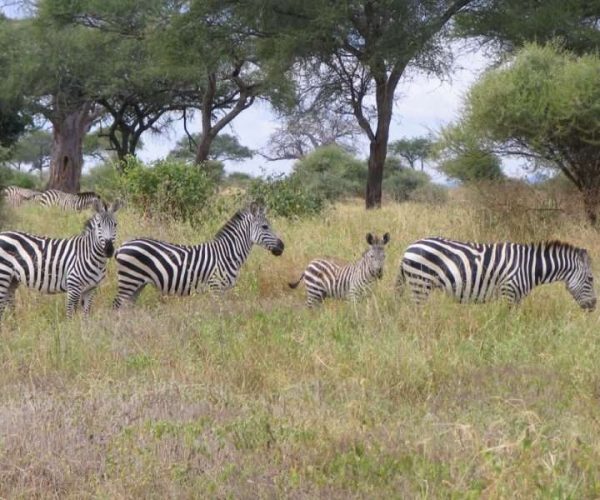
x=51, y=265
x=182, y=270
x=16, y=195
x=68, y=201
x=475, y=272
x=325, y=278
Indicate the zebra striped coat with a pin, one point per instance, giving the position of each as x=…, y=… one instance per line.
x=74, y=265
x=325, y=278
x=16, y=195
x=182, y=270
x=475, y=272
x=68, y=201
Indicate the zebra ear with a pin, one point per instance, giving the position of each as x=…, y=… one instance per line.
x=370, y=239
x=386, y=238
x=99, y=205
x=115, y=206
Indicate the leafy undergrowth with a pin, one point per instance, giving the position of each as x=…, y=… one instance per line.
x=253, y=395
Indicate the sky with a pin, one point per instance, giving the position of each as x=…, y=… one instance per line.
x=423, y=105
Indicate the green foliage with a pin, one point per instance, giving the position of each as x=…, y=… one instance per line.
x=401, y=184
x=225, y=147
x=508, y=25
x=12, y=123
x=545, y=105
x=474, y=164
x=332, y=173
x=103, y=179
x=412, y=150
x=167, y=188
x=430, y=194
x=287, y=196
x=11, y=177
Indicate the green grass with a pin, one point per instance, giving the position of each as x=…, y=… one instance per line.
x=253, y=395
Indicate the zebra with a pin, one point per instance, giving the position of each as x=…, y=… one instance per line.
x=325, y=278
x=68, y=201
x=182, y=270
x=475, y=272
x=74, y=265
x=16, y=195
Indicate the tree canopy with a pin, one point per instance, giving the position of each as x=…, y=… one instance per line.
x=543, y=106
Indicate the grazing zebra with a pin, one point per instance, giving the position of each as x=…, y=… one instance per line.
x=16, y=195
x=68, y=201
x=324, y=278
x=182, y=270
x=475, y=272
x=74, y=265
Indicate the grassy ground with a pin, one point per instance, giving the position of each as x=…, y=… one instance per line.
x=254, y=395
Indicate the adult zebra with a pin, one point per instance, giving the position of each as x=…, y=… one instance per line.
x=68, y=201
x=74, y=265
x=16, y=195
x=325, y=278
x=181, y=270
x=475, y=272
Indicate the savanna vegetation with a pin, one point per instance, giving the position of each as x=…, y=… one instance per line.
x=251, y=394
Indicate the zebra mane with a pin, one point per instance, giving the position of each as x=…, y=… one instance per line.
x=87, y=193
x=561, y=244
x=233, y=222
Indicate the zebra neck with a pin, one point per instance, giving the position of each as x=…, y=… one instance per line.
x=90, y=245
x=234, y=243
x=551, y=264
x=361, y=271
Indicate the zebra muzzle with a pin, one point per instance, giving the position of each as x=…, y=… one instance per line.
x=278, y=249
x=109, y=249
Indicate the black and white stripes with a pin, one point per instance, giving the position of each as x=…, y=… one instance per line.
x=16, y=195
x=68, y=201
x=181, y=270
x=474, y=272
x=74, y=265
x=325, y=278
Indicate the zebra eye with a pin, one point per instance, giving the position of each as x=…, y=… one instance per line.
x=265, y=227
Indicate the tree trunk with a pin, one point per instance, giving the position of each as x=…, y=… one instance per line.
x=377, y=155
x=203, y=149
x=67, y=150
x=591, y=203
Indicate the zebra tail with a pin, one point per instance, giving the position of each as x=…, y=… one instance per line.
x=400, y=282
x=295, y=285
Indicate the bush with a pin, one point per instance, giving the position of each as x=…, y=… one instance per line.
x=431, y=194
x=402, y=183
x=104, y=180
x=11, y=177
x=332, y=173
x=287, y=196
x=171, y=188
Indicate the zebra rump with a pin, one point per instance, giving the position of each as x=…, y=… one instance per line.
x=15, y=195
x=476, y=272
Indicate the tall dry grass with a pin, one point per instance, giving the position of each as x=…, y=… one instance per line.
x=253, y=395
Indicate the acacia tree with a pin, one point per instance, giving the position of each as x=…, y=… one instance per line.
x=50, y=67
x=359, y=49
x=413, y=150
x=504, y=26
x=550, y=103
x=225, y=147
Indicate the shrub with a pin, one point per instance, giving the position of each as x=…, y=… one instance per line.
x=171, y=188
x=402, y=183
x=103, y=179
x=431, y=194
x=11, y=177
x=287, y=196
x=332, y=173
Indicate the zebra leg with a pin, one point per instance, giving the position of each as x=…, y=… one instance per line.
x=86, y=300
x=420, y=289
x=73, y=298
x=7, y=295
x=314, y=296
x=127, y=294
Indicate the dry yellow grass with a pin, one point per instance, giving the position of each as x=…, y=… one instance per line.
x=253, y=395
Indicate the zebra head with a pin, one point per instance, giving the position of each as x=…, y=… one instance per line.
x=261, y=232
x=103, y=226
x=375, y=255
x=581, y=282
